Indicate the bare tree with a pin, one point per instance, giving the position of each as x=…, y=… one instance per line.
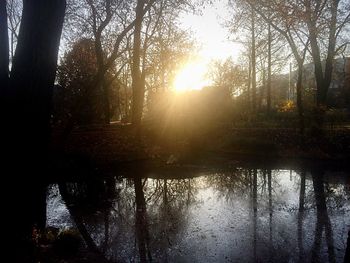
x=290, y=28
x=34, y=69
x=26, y=110
x=108, y=23
x=137, y=85
x=314, y=26
x=4, y=48
x=325, y=20
x=253, y=58
x=14, y=14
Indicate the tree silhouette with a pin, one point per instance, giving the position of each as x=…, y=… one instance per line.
x=26, y=110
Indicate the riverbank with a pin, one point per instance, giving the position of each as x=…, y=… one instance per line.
x=115, y=144
x=98, y=158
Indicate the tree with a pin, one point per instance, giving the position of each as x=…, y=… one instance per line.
x=108, y=23
x=14, y=14
x=244, y=20
x=4, y=49
x=325, y=20
x=26, y=111
x=75, y=78
x=34, y=68
x=137, y=85
x=269, y=65
x=263, y=50
x=253, y=57
x=289, y=27
x=271, y=56
x=317, y=25
x=151, y=48
x=229, y=76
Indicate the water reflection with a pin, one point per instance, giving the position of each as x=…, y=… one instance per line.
x=301, y=215
x=254, y=215
x=323, y=221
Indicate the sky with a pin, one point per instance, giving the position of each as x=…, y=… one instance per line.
x=210, y=33
x=212, y=37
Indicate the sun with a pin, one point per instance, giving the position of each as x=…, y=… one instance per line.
x=191, y=77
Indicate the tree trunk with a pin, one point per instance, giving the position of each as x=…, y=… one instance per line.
x=28, y=109
x=249, y=81
x=269, y=42
x=262, y=89
x=106, y=103
x=299, y=98
x=4, y=49
x=323, y=221
x=137, y=87
x=141, y=223
x=323, y=78
x=253, y=91
x=33, y=71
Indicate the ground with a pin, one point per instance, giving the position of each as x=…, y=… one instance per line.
x=115, y=143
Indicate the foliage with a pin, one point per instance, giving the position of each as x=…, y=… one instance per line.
x=75, y=77
x=286, y=106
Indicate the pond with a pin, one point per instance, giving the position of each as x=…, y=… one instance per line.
x=209, y=215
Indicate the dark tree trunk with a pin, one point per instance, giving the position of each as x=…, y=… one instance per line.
x=262, y=89
x=141, y=223
x=255, y=212
x=301, y=216
x=28, y=109
x=106, y=106
x=249, y=81
x=253, y=59
x=324, y=78
x=268, y=91
x=78, y=219
x=137, y=86
x=299, y=98
x=4, y=49
x=106, y=103
x=33, y=73
x=323, y=221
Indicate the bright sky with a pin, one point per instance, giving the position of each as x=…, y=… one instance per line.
x=210, y=32
x=212, y=37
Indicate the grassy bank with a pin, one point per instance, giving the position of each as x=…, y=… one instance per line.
x=116, y=143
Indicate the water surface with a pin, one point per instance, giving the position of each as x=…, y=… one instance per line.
x=232, y=215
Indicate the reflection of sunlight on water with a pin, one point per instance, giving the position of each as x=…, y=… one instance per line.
x=288, y=185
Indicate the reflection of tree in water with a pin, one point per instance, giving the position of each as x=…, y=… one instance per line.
x=265, y=192
x=141, y=222
x=168, y=202
x=323, y=221
x=114, y=216
x=229, y=183
x=122, y=218
x=65, y=191
x=91, y=204
x=253, y=185
x=141, y=219
x=91, y=196
x=301, y=216
x=243, y=182
x=319, y=197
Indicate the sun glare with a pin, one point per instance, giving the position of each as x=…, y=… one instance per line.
x=191, y=77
